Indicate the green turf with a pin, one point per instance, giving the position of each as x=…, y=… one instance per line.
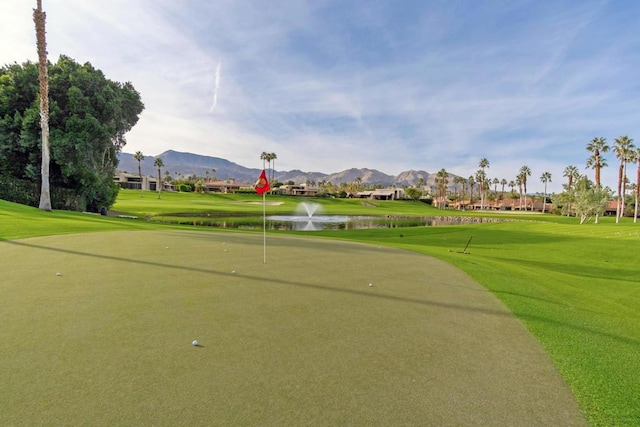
x=574, y=286
x=301, y=340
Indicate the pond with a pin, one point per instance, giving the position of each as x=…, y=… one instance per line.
x=317, y=222
x=310, y=217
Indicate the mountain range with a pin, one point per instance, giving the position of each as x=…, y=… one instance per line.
x=185, y=164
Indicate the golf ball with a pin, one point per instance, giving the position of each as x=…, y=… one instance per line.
x=371, y=285
x=58, y=274
x=195, y=342
x=233, y=272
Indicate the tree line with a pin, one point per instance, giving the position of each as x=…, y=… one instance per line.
x=88, y=118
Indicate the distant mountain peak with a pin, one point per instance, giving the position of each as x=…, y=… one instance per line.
x=185, y=164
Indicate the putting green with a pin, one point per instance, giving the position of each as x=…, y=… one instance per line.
x=300, y=340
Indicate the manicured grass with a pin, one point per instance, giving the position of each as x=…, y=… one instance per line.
x=301, y=340
x=129, y=201
x=19, y=221
x=575, y=287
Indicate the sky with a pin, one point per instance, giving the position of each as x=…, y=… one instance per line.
x=392, y=85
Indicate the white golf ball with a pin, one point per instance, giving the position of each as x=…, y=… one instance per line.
x=233, y=272
x=58, y=274
x=195, y=342
x=371, y=285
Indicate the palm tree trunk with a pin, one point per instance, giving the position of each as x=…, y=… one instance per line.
x=619, y=191
x=635, y=212
x=39, y=18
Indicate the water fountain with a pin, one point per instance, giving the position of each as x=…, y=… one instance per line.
x=308, y=216
x=308, y=208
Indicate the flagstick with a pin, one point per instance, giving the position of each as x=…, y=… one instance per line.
x=264, y=228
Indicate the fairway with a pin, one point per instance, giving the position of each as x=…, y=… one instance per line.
x=300, y=340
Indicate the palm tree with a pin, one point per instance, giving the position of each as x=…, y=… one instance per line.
x=358, y=183
x=471, y=182
x=272, y=158
x=597, y=146
x=519, y=180
x=481, y=177
x=139, y=157
x=39, y=18
x=159, y=164
x=545, y=178
x=571, y=173
x=441, y=185
x=503, y=182
x=483, y=164
x=495, y=182
x=635, y=212
x=458, y=180
x=525, y=172
x=512, y=185
x=264, y=157
x=623, y=148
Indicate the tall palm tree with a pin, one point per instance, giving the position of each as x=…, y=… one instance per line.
x=545, y=178
x=471, y=182
x=481, y=177
x=596, y=147
x=483, y=164
x=525, y=171
x=458, y=180
x=139, y=157
x=441, y=185
x=623, y=148
x=571, y=173
x=503, y=182
x=39, y=18
x=272, y=158
x=519, y=180
x=635, y=212
x=512, y=185
x=159, y=164
x=264, y=157
x=495, y=182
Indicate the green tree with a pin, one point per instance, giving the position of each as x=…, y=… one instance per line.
x=157, y=162
x=88, y=119
x=413, y=193
x=139, y=157
x=591, y=200
x=545, y=178
x=472, y=182
x=624, y=149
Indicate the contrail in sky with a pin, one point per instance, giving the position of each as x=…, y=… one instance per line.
x=216, y=85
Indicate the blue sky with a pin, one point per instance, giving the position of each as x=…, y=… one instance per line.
x=389, y=85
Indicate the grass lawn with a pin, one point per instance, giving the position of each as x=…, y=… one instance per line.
x=574, y=287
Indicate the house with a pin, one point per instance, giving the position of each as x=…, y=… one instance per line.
x=132, y=181
x=298, y=190
x=392, y=193
x=226, y=186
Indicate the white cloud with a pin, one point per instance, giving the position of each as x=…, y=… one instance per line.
x=328, y=85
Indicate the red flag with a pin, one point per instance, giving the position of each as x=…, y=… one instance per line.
x=262, y=184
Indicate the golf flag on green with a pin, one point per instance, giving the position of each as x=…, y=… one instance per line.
x=262, y=184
